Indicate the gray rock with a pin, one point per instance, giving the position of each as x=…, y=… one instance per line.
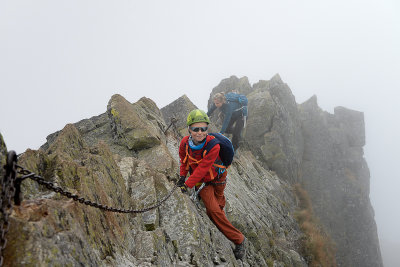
x=3, y=154
x=274, y=128
x=3, y=157
x=336, y=177
x=130, y=125
x=178, y=110
x=122, y=158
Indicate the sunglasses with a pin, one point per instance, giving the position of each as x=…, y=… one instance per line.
x=196, y=129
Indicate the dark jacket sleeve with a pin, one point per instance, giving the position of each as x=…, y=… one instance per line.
x=211, y=110
x=204, y=167
x=228, y=111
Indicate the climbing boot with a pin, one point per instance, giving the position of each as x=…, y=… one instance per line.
x=240, y=250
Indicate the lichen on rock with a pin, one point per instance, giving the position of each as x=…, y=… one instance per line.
x=125, y=158
x=129, y=127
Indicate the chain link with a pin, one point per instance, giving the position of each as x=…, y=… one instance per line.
x=173, y=121
x=8, y=191
x=49, y=185
x=175, y=128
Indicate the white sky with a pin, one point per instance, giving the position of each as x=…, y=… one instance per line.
x=61, y=61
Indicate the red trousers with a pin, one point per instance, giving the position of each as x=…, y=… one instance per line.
x=214, y=200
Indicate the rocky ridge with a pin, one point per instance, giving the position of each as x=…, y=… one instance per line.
x=125, y=158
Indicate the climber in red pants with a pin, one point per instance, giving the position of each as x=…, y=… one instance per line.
x=200, y=165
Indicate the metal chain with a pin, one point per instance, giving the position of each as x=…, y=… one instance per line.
x=11, y=181
x=8, y=191
x=49, y=185
x=173, y=121
x=176, y=130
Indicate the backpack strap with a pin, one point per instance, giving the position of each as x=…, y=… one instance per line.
x=210, y=145
x=186, y=159
x=189, y=160
x=208, y=148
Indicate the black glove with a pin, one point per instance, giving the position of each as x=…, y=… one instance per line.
x=181, y=181
x=181, y=184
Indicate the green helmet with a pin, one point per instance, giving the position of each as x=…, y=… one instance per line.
x=197, y=115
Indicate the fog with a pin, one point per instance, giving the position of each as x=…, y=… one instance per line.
x=61, y=61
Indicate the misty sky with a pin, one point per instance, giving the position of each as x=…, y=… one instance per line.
x=61, y=61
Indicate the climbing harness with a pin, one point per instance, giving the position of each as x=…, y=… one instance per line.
x=226, y=154
x=195, y=193
x=189, y=160
x=11, y=188
x=244, y=111
x=241, y=108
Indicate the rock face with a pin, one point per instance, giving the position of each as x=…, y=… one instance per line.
x=103, y=160
x=178, y=110
x=322, y=152
x=134, y=126
x=126, y=158
x=3, y=151
x=280, y=142
x=337, y=178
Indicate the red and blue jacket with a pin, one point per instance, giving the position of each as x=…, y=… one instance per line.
x=198, y=162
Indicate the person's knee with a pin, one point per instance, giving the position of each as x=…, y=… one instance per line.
x=213, y=211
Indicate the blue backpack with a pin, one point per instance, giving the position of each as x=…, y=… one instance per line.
x=241, y=99
x=226, y=151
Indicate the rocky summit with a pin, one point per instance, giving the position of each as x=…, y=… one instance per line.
x=298, y=189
